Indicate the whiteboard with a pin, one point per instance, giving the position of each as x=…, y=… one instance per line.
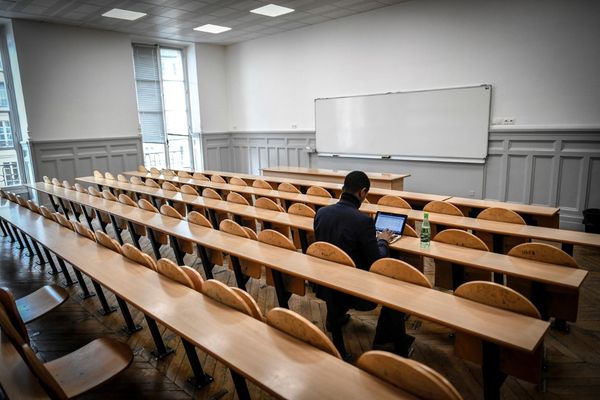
x=449, y=125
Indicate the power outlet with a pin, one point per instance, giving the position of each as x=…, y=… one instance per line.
x=508, y=121
x=294, y=126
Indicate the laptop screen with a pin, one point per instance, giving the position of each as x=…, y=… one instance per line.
x=392, y=222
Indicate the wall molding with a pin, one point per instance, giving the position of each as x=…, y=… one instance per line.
x=531, y=166
x=68, y=159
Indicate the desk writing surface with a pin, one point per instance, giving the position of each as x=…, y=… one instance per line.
x=520, y=208
x=547, y=273
x=288, y=368
x=496, y=325
x=451, y=221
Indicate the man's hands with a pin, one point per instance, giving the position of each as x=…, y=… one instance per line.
x=386, y=235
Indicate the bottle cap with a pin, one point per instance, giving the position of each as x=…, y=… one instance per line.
x=426, y=214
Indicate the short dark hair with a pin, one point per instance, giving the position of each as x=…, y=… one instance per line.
x=355, y=181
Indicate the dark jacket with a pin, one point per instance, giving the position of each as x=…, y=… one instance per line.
x=343, y=225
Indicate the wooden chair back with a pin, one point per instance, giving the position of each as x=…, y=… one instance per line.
x=409, y=231
x=47, y=213
x=67, y=185
x=199, y=176
x=98, y=174
x=261, y=184
x=250, y=302
x=11, y=323
x=136, y=180
x=187, y=189
x=33, y=206
x=526, y=366
x=501, y=215
x=443, y=269
x=21, y=201
x=544, y=253
x=409, y=375
x=234, y=197
x=108, y=195
x=185, y=245
x=183, y=174
x=302, y=329
x=109, y=176
x=123, y=198
x=211, y=194
x=172, y=271
x=46, y=180
x=237, y=181
x=330, y=252
x=47, y=380
x=142, y=168
x=301, y=209
x=83, y=231
x=94, y=192
x=318, y=191
x=61, y=219
x=233, y=228
x=122, y=178
x=217, y=179
x=195, y=277
x=56, y=182
x=169, y=186
x=266, y=203
x=136, y=255
x=442, y=207
x=151, y=183
x=107, y=242
x=292, y=284
x=146, y=205
x=288, y=187
x=393, y=201
x=224, y=294
x=154, y=171
x=80, y=188
x=167, y=172
x=400, y=270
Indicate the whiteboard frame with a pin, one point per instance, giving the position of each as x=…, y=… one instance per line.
x=409, y=158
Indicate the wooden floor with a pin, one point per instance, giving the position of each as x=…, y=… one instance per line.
x=574, y=358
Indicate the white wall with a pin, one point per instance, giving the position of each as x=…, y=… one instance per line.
x=542, y=58
x=212, y=85
x=77, y=83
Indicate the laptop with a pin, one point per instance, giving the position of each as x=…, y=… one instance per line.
x=392, y=222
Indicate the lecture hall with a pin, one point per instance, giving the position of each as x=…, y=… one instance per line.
x=299, y=199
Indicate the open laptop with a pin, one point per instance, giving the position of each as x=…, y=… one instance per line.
x=392, y=222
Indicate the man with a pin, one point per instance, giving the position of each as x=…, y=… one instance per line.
x=344, y=226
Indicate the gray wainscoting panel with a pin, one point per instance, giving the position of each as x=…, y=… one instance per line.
x=68, y=159
x=553, y=168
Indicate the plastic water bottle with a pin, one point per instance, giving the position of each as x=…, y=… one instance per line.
x=425, y=231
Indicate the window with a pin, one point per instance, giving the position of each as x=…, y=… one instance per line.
x=163, y=106
x=10, y=175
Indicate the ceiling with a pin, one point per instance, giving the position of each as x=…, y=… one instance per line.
x=175, y=19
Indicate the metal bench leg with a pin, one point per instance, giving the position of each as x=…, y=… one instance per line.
x=206, y=264
x=4, y=233
x=16, y=235
x=63, y=208
x=88, y=218
x=86, y=293
x=200, y=378
x=8, y=231
x=154, y=243
x=458, y=275
x=27, y=245
x=283, y=295
x=100, y=221
x=303, y=240
x=240, y=386
x=177, y=250
x=117, y=229
x=134, y=236
x=53, y=271
x=106, y=308
x=53, y=202
x=38, y=252
x=240, y=278
x=74, y=212
x=63, y=268
x=161, y=350
x=130, y=327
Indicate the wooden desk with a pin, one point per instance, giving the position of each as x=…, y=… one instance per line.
x=288, y=368
x=416, y=200
x=378, y=180
x=533, y=215
x=16, y=379
x=499, y=229
x=441, y=307
x=547, y=276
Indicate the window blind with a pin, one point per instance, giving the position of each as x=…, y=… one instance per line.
x=149, y=100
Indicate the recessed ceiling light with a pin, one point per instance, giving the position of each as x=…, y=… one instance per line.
x=210, y=28
x=124, y=14
x=272, y=10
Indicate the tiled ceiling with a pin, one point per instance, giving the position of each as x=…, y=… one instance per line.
x=174, y=19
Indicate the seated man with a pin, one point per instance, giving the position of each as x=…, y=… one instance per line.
x=344, y=226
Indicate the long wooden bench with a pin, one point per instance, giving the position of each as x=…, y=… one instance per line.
x=491, y=325
x=533, y=214
x=207, y=324
x=499, y=229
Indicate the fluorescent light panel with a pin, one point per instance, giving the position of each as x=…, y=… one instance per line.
x=272, y=10
x=124, y=14
x=210, y=28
